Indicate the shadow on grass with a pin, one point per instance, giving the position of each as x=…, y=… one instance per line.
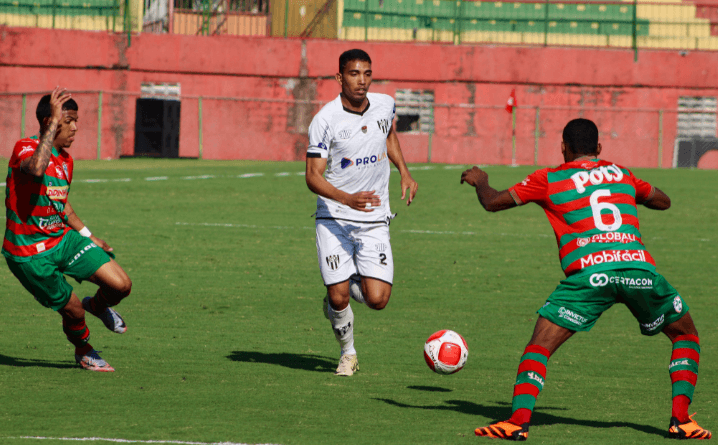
x=27, y=363
x=307, y=362
x=502, y=411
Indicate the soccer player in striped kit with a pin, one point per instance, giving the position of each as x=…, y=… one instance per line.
x=45, y=239
x=591, y=205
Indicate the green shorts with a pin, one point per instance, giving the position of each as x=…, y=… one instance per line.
x=76, y=256
x=577, y=302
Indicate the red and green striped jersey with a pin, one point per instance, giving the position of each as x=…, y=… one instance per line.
x=591, y=205
x=35, y=206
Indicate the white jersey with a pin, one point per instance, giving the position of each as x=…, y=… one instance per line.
x=354, y=145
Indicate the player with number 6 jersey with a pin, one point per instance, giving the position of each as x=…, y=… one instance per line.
x=351, y=141
x=570, y=194
x=592, y=207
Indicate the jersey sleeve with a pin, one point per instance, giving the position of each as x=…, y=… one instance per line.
x=320, y=138
x=532, y=189
x=644, y=190
x=22, y=150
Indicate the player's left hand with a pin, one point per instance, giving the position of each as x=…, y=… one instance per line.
x=103, y=245
x=408, y=183
x=474, y=176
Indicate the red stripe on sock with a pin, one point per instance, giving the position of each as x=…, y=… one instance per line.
x=538, y=350
x=687, y=376
x=83, y=350
x=526, y=388
x=685, y=353
x=693, y=338
x=521, y=416
x=680, y=408
x=532, y=365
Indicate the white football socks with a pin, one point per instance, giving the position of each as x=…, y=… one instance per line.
x=355, y=289
x=343, y=326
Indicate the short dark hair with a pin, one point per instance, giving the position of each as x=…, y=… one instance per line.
x=581, y=136
x=45, y=110
x=352, y=54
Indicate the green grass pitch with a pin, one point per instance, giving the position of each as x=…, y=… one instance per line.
x=226, y=340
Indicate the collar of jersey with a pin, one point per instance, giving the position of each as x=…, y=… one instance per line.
x=357, y=112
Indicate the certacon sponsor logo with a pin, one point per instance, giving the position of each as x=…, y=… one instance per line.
x=598, y=280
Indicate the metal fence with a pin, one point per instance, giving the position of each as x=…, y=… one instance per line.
x=208, y=17
x=276, y=129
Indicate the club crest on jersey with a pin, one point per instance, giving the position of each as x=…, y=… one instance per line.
x=345, y=134
x=383, y=125
x=346, y=163
x=363, y=129
x=678, y=304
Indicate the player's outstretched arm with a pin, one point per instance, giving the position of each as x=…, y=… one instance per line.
x=393, y=150
x=659, y=201
x=38, y=162
x=491, y=199
x=319, y=185
x=76, y=223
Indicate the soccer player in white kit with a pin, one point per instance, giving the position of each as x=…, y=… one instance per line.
x=352, y=138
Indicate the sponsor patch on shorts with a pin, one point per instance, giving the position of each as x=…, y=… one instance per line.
x=603, y=279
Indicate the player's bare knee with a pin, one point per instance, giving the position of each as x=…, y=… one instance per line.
x=125, y=286
x=378, y=302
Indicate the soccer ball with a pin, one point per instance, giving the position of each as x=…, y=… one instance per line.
x=445, y=352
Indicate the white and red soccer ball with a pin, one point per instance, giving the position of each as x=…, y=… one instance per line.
x=446, y=352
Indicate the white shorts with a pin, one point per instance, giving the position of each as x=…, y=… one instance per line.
x=345, y=248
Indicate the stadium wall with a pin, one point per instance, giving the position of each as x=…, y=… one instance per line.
x=621, y=95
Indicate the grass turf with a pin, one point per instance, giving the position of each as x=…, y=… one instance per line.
x=226, y=339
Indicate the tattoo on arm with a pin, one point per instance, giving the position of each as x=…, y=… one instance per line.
x=38, y=162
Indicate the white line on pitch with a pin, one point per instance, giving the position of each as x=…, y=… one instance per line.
x=105, y=439
x=199, y=177
x=420, y=232
x=241, y=226
x=157, y=178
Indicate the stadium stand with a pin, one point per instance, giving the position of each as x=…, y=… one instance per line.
x=652, y=24
x=90, y=15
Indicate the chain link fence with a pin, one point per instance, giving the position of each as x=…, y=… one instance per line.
x=276, y=129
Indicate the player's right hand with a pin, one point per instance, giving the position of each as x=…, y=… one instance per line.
x=57, y=100
x=475, y=176
x=363, y=201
